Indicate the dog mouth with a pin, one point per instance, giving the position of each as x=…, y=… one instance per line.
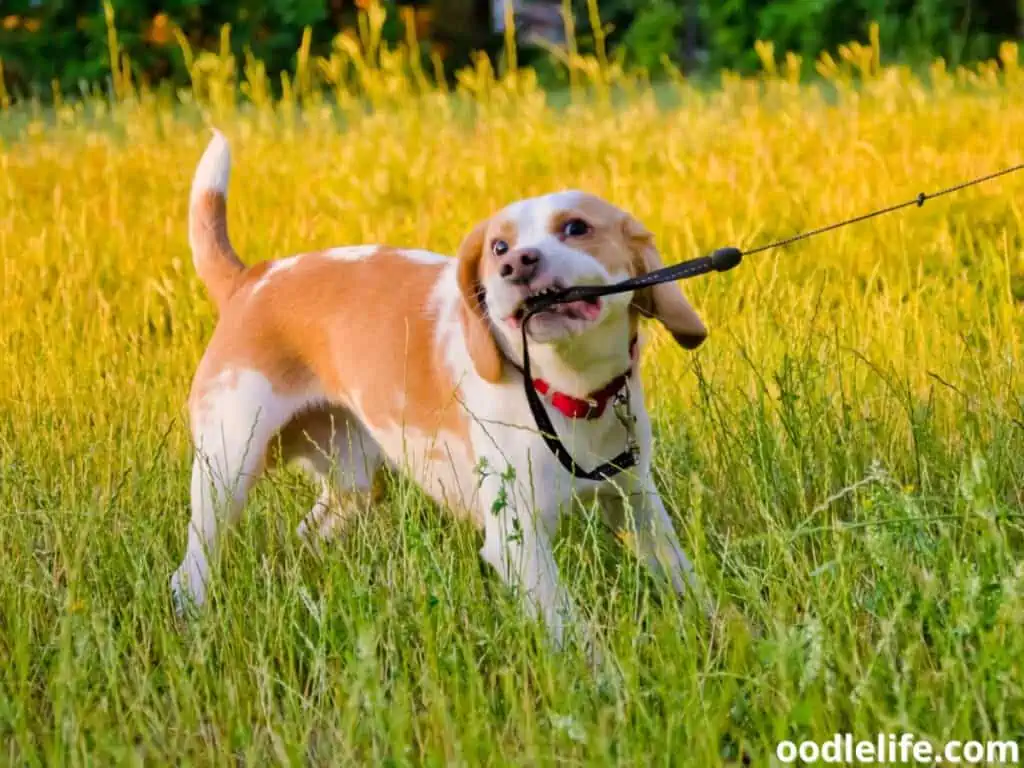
x=587, y=309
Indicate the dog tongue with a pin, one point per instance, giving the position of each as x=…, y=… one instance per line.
x=583, y=309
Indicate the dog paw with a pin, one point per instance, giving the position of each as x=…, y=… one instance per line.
x=318, y=530
x=599, y=659
x=186, y=598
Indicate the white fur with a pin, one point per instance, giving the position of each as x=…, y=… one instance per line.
x=231, y=427
x=532, y=214
x=280, y=265
x=422, y=257
x=214, y=168
x=360, y=252
x=352, y=252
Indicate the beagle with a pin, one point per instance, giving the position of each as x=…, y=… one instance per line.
x=351, y=358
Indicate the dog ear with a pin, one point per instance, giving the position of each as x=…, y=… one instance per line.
x=664, y=302
x=480, y=341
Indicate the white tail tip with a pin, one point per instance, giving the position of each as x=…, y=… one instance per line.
x=214, y=167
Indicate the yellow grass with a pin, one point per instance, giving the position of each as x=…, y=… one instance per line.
x=94, y=237
x=896, y=342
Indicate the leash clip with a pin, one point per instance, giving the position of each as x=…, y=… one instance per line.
x=623, y=410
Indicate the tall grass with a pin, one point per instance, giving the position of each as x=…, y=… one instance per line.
x=844, y=457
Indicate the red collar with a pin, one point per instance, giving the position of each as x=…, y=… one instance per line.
x=594, y=405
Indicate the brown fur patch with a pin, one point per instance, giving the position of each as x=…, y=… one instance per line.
x=483, y=349
x=665, y=302
x=215, y=259
x=359, y=331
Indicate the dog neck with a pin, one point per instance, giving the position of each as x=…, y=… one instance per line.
x=581, y=365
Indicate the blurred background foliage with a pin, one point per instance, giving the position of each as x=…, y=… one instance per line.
x=50, y=45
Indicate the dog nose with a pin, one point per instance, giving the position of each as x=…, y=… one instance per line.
x=519, y=266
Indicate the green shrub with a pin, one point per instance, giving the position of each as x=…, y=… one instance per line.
x=914, y=31
x=910, y=30
x=64, y=42
x=653, y=35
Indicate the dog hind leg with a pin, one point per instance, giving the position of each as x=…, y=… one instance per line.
x=336, y=451
x=232, y=424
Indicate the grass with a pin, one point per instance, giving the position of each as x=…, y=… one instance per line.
x=844, y=458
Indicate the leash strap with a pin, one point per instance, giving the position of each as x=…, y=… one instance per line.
x=725, y=259
x=609, y=469
x=721, y=260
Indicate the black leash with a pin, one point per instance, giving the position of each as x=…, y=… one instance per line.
x=720, y=260
x=624, y=460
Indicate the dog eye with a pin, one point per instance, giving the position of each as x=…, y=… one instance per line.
x=499, y=247
x=575, y=228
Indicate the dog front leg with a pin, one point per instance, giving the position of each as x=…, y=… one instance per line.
x=643, y=521
x=517, y=544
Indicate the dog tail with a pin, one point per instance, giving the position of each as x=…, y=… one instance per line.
x=214, y=257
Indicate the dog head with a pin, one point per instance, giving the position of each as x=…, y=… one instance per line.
x=550, y=243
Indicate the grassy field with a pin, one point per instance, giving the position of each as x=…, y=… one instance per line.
x=844, y=458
